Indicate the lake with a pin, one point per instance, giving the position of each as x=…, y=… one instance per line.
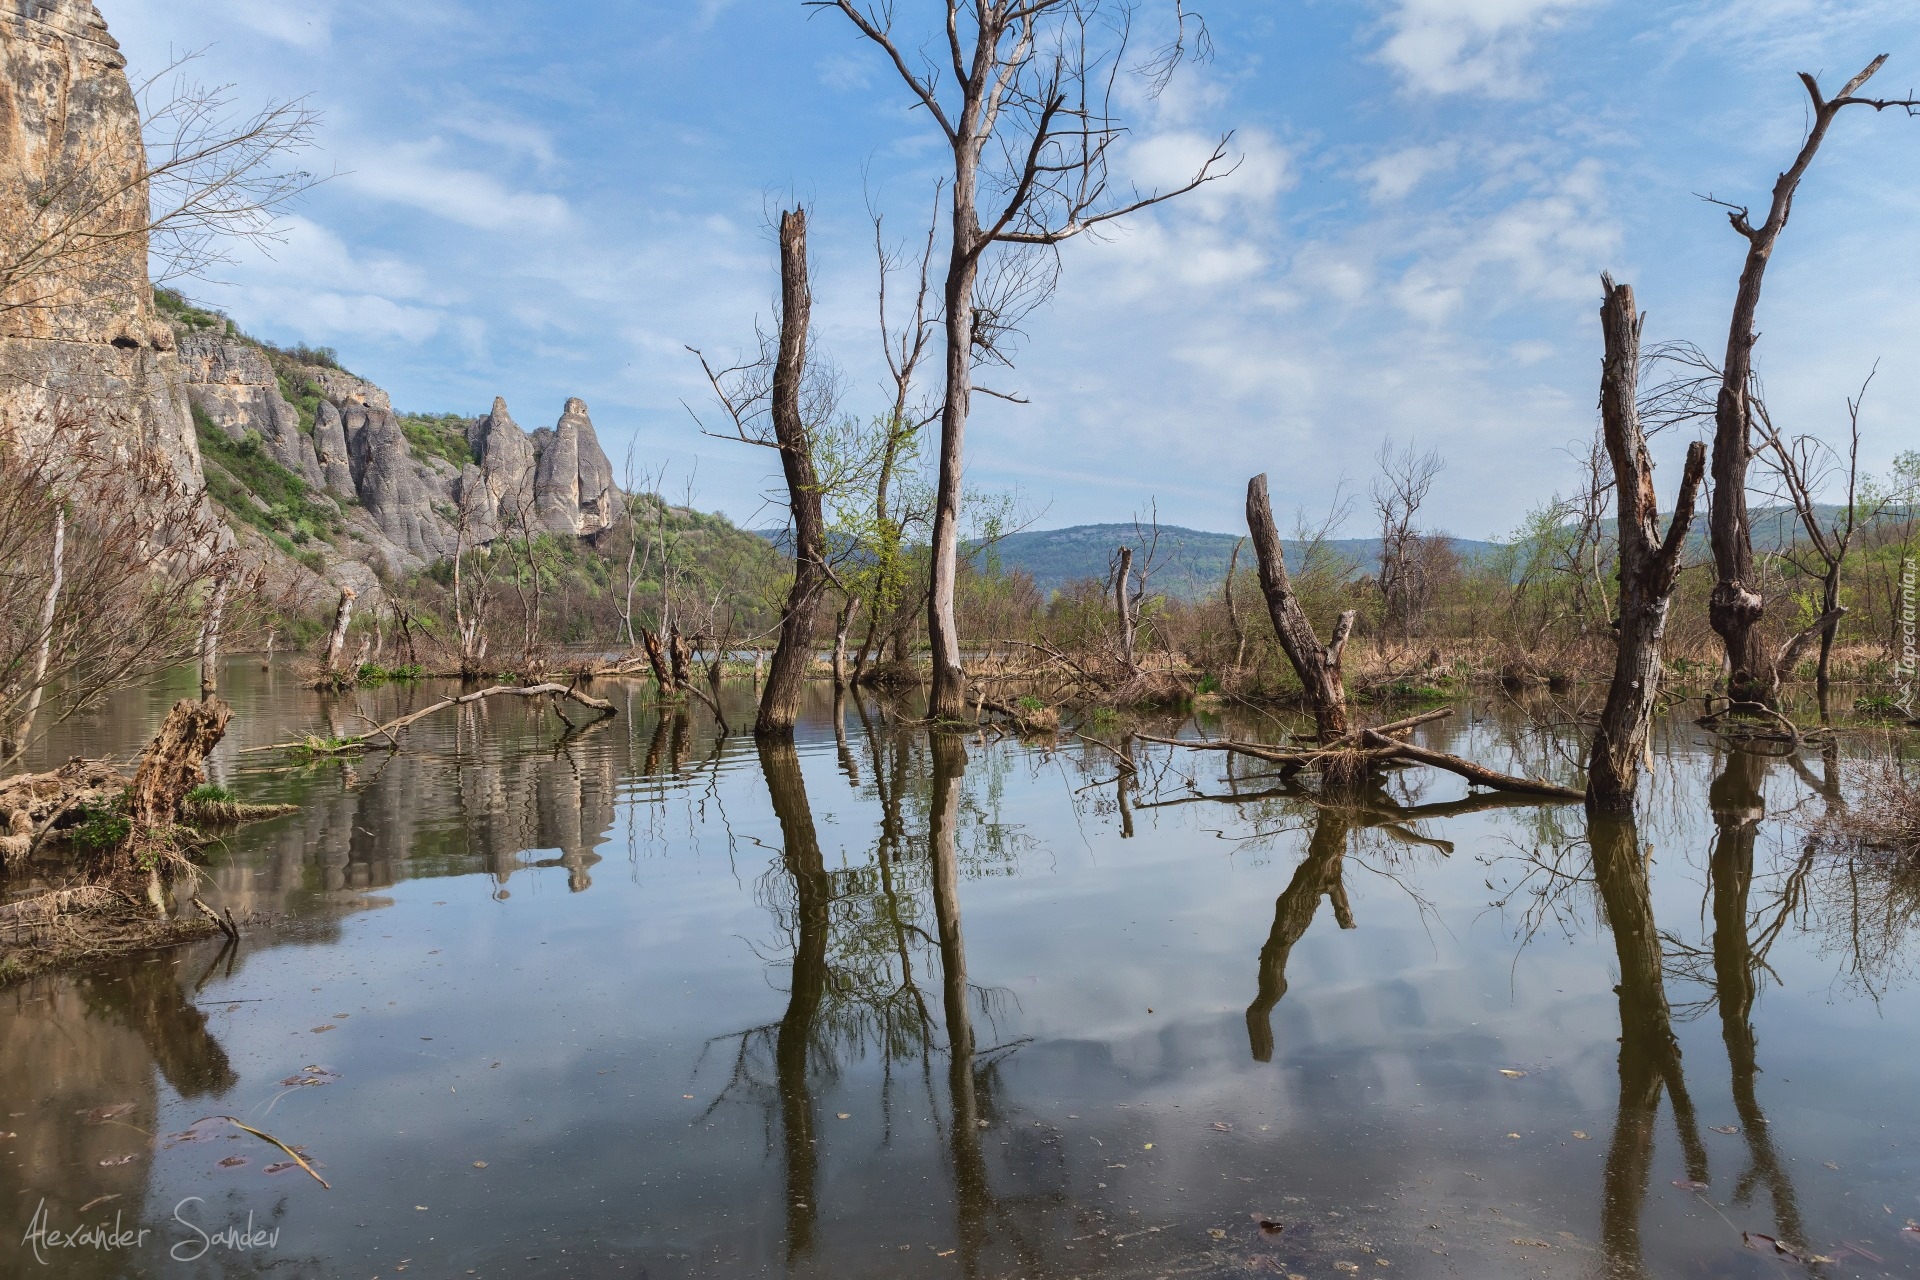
x=642, y=1000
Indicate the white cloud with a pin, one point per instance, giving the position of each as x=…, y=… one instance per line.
x=409, y=173
x=1469, y=46
x=1394, y=176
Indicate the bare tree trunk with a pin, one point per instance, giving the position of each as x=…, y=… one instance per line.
x=210, y=640
x=1317, y=667
x=337, y=638
x=949, y=695
x=44, y=654
x=1233, y=609
x=658, y=660
x=780, y=699
x=840, y=675
x=1736, y=606
x=1649, y=563
x=1123, y=606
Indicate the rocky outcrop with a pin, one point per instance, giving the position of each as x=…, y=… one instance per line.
x=232, y=383
x=573, y=484
x=401, y=508
x=78, y=330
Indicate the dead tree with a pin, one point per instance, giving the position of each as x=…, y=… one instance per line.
x=1317, y=665
x=1736, y=606
x=840, y=629
x=1803, y=465
x=1398, y=492
x=1032, y=98
x=337, y=638
x=210, y=640
x=775, y=401
x=1123, y=603
x=1649, y=562
x=780, y=700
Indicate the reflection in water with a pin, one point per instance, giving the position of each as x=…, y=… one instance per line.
x=800, y=853
x=1123, y=1136
x=1739, y=807
x=1649, y=1053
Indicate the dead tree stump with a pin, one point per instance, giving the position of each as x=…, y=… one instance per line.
x=170, y=767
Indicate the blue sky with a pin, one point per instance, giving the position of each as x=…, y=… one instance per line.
x=539, y=200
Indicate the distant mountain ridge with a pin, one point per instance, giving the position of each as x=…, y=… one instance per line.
x=1191, y=563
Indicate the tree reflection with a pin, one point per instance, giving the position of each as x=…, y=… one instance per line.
x=801, y=857
x=1738, y=809
x=1321, y=874
x=1649, y=1052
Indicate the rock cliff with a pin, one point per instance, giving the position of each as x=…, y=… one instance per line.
x=312, y=467
x=78, y=331
x=394, y=488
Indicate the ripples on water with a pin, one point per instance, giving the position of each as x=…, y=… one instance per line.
x=640, y=1001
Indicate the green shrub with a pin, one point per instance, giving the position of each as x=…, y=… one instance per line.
x=211, y=793
x=102, y=826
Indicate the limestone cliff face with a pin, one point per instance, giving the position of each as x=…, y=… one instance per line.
x=78, y=332
x=400, y=507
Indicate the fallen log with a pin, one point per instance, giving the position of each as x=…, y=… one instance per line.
x=1479, y=775
x=393, y=728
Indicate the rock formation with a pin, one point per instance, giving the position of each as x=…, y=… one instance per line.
x=80, y=333
x=78, y=330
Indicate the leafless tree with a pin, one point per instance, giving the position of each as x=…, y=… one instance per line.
x=1031, y=121
x=1399, y=490
x=214, y=177
x=1649, y=562
x=767, y=401
x=1804, y=466
x=1317, y=665
x=1737, y=605
x=110, y=565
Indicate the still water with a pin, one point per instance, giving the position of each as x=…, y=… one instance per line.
x=646, y=1001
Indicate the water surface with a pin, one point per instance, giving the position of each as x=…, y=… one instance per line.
x=646, y=1000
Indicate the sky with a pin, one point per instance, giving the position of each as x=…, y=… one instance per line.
x=540, y=201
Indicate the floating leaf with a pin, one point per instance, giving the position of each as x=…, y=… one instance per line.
x=843, y=1115
x=112, y=1161
x=1268, y=1227
x=1216, y=1233
x=233, y=1162
x=1725, y=1128
x=1223, y=1128
x=1580, y=1134
x=1512, y=1073
x=1688, y=1184
x=325, y=1027
x=100, y=1115
x=1828, y=1164
x=479, y=1164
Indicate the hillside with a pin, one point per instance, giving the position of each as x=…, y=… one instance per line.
x=1191, y=563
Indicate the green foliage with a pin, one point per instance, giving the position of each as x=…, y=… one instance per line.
x=211, y=793
x=373, y=674
x=438, y=435
x=255, y=489
x=175, y=307
x=1209, y=683
x=297, y=386
x=1030, y=703
x=102, y=826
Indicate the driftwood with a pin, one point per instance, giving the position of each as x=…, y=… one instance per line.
x=391, y=730
x=1355, y=754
